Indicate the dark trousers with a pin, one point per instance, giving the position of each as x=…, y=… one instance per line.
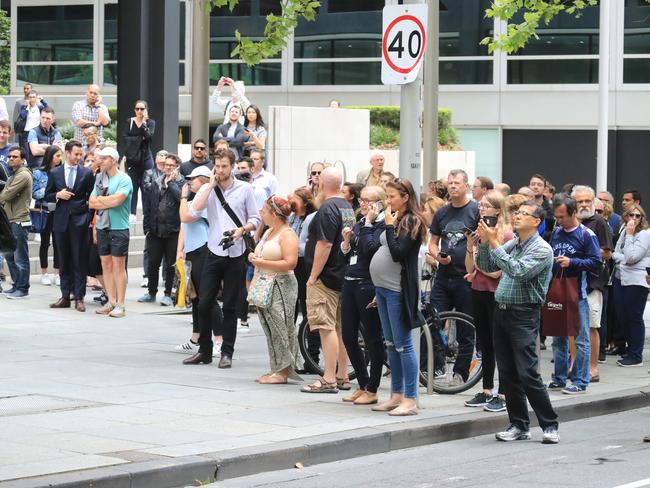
x=515, y=336
x=215, y=270
x=615, y=317
x=73, y=257
x=301, y=277
x=630, y=304
x=45, y=243
x=356, y=295
x=136, y=173
x=197, y=258
x=604, y=318
x=483, y=303
x=160, y=247
x=18, y=261
x=448, y=294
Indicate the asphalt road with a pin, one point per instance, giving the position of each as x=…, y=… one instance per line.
x=601, y=452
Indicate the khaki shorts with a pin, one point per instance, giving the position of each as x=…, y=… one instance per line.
x=595, y=301
x=323, y=307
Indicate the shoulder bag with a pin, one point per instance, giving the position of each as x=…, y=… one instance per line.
x=249, y=243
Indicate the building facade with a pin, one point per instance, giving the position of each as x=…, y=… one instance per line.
x=536, y=110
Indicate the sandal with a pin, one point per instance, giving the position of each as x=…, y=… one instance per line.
x=320, y=386
x=273, y=379
x=257, y=380
x=343, y=384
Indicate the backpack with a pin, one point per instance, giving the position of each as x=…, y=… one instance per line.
x=7, y=239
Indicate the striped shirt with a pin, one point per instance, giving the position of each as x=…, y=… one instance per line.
x=526, y=266
x=81, y=110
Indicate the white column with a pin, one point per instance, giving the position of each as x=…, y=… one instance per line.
x=603, y=95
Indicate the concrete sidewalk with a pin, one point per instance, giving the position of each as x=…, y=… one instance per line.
x=108, y=400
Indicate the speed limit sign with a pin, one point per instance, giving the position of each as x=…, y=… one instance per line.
x=402, y=45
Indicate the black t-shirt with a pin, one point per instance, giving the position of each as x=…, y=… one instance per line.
x=332, y=217
x=605, y=237
x=449, y=223
x=188, y=166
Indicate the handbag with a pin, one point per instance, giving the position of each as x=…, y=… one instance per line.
x=560, y=316
x=39, y=220
x=260, y=291
x=249, y=242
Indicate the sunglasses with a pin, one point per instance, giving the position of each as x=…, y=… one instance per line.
x=316, y=173
x=599, y=211
x=635, y=216
x=200, y=148
x=140, y=108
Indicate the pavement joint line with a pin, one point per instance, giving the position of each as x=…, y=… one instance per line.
x=218, y=466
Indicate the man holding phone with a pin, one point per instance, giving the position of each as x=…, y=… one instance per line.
x=448, y=246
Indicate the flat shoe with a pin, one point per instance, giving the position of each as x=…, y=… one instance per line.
x=353, y=397
x=385, y=407
x=403, y=412
x=366, y=399
x=594, y=379
x=273, y=379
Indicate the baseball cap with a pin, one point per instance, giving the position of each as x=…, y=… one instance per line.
x=200, y=171
x=111, y=152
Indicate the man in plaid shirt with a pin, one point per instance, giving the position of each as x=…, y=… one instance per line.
x=90, y=112
x=526, y=263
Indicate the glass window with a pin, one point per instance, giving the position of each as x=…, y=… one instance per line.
x=355, y=5
x=59, y=33
x=110, y=32
x=466, y=72
x=110, y=74
x=637, y=27
x=181, y=74
x=363, y=46
x=72, y=74
x=270, y=7
x=636, y=70
x=324, y=73
x=462, y=27
x=261, y=74
x=182, y=31
x=553, y=71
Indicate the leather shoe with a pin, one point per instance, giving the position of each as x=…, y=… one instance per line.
x=225, y=362
x=61, y=303
x=79, y=306
x=199, y=358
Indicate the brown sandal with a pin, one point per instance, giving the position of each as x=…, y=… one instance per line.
x=273, y=379
x=320, y=386
x=343, y=384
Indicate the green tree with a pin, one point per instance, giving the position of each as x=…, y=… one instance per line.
x=5, y=32
x=276, y=32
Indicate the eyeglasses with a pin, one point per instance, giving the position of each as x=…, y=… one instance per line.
x=140, y=108
x=316, y=173
x=480, y=205
x=635, y=216
x=173, y=165
x=523, y=213
x=200, y=148
x=365, y=200
x=599, y=210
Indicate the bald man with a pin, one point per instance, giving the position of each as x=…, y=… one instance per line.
x=372, y=176
x=325, y=268
x=527, y=192
x=90, y=111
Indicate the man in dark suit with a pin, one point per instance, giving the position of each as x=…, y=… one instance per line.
x=70, y=186
x=232, y=131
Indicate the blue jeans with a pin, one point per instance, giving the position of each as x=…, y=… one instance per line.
x=401, y=355
x=583, y=349
x=18, y=261
x=630, y=304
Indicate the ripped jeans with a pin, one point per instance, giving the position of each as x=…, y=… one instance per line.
x=401, y=355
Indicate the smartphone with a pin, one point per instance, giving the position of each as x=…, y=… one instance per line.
x=467, y=230
x=443, y=255
x=490, y=220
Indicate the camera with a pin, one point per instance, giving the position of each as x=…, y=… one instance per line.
x=227, y=240
x=246, y=177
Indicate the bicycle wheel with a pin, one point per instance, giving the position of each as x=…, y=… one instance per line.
x=454, y=355
x=312, y=351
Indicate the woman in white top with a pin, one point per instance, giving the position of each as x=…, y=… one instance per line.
x=275, y=257
x=30, y=114
x=255, y=129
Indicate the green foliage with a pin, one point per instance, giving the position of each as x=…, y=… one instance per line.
x=109, y=134
x=5, y=57
x=277, y=30
x=384, y=126
x=112, y=113
x=535, y=12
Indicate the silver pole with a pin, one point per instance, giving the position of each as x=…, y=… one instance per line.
x=200, y=77
x=431, y=81
x=603, y=95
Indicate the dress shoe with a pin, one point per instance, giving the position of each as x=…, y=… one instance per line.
x=366, y=399
x=61, y=303
x=199, y=358
x=79, y=306
x=225, y=362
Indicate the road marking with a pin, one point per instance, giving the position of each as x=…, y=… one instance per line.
x=635, y=484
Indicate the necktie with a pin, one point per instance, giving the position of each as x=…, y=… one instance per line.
x=71, y=175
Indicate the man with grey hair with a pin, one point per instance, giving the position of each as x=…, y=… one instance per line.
x=326, y=269
x=448, y=246
x=614, y=220
x=586, y=211
x=372, y=176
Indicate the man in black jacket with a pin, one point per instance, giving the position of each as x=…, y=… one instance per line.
x=232, y=131
x=199, y=158
x=162, y=228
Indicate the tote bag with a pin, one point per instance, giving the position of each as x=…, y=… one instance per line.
x=560, y=317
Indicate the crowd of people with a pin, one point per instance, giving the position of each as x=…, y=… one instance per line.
x=332, y=254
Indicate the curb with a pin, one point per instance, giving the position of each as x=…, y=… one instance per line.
x=184, y=471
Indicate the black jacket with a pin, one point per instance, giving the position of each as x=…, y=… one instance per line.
x=162, y=208
x=405, y=250
x=364, y=244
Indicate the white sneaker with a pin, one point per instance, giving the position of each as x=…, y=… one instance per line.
x=45, y=280
x=118, y=312
x=187, y=348
x=216, y=350
x=132, y=219
x=57, y=280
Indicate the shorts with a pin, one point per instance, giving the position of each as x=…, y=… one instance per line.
x=323, y=307
x=595, y=301
x=113, y=242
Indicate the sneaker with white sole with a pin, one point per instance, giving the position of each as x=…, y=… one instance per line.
x=166, y=301
x=513, y=433
x=497, y=404
x=17, y=295
x=188, y=347
x=45, y=280
x=480, y=400
x=105, y=310
x=550, y=436
x=573, y=390
x=118, y=312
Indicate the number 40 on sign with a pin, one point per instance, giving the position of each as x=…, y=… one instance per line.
x=403, y=41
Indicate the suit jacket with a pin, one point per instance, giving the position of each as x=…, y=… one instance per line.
x=236, y=142
x=74, y=211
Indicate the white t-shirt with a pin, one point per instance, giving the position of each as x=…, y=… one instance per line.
x=33, y=118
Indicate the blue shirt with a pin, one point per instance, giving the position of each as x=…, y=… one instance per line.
x=119, y=216
x=4, y=157
x=196, y=233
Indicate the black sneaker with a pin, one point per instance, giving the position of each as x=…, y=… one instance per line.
x=497, y=404
x=602, y=357
x=480, y=400
x=556, y=386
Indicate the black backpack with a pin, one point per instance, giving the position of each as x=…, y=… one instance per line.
x=7, y=239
